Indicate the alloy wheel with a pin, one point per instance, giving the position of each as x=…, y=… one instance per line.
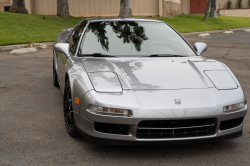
x=68, y=110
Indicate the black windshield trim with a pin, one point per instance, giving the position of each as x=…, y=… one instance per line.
x=95, y=55
x=166, y=55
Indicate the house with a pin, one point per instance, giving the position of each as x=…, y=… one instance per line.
x=4, y=3
x=90, y=8
x=199, y=6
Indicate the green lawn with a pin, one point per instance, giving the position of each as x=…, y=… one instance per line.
x=22, y=28
x=195, y=23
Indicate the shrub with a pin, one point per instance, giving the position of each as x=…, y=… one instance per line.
x=249, y=3
x=229, y=4
x=238, y=4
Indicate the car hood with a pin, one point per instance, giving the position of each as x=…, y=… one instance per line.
x=155, y=72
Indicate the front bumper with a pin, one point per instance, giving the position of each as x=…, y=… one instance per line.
x=86, y=128
x=104, y=141
x=159, y=105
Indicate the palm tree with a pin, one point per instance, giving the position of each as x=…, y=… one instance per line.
x=18, y=6
x=213, y=13
x=207, y=10
x=125, y=8
x=100, y=32
x=63, y=8
x=130, y=32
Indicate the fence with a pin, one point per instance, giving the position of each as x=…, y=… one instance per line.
x=171, y=7
x=90, y=8
x=233, y=11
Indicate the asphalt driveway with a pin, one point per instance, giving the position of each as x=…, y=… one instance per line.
x=32, y=130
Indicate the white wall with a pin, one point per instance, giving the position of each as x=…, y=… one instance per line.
x=89, y=8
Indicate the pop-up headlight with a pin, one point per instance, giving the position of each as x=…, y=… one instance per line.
x=221, y=79
x=105, y=82
x=234, y=107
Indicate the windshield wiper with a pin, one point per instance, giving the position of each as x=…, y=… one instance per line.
x=95, y=55
x=165, y=55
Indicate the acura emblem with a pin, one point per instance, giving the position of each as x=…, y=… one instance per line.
x=177, y=101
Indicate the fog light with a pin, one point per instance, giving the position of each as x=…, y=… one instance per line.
x=106, y=110
x=234, y=106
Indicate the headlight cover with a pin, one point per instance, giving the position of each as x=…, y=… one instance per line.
x=105, y=82
x=221, y=79
x=234, y=107
x=111, y=111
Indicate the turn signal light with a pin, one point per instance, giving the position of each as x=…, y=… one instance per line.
x=77, y=100
x=106, y=110
x=234, y=107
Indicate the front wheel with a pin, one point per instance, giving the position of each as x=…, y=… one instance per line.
x=68, y=112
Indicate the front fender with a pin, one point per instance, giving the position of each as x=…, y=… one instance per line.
x=79, y=83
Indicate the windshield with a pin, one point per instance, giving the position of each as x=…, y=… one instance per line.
x=123, y=38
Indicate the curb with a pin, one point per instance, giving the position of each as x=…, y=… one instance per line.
x=216, y=31
x=12, y=47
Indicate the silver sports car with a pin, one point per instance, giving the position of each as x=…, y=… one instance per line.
x=137, y=81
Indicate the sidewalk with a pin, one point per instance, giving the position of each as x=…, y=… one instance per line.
x=12, y=47
x=216, y=31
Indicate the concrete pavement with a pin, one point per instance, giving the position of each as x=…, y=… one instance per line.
x=32, y=130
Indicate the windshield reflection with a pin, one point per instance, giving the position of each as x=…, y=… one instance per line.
x=129, y=32
x=130, y=38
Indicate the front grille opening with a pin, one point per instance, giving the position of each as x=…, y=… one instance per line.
x=229, y=124
x=112, y=128
x=177, y=123
x=176, y=128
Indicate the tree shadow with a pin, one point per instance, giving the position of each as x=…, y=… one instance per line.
x=128, y=68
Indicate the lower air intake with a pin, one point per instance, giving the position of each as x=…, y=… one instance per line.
x=229, y=124
x=112, y=128
x=176, y=128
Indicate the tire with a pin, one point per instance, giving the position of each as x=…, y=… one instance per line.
x=55, y=78
x=68, y=112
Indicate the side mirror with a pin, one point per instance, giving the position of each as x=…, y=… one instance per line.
x=200, y=47
x=62, y=48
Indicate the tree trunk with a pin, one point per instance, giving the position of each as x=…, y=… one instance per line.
x=62, y=8
x=125, y=8
x=207, y=10
x=213, y=12
x=18, y=6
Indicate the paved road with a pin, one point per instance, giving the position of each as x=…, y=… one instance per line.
x=32, y=130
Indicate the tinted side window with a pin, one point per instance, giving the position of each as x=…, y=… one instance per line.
x=75, y=36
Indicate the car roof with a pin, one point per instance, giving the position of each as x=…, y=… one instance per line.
x=97, y=19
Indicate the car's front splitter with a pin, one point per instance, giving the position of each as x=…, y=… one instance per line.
x=104, y=141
